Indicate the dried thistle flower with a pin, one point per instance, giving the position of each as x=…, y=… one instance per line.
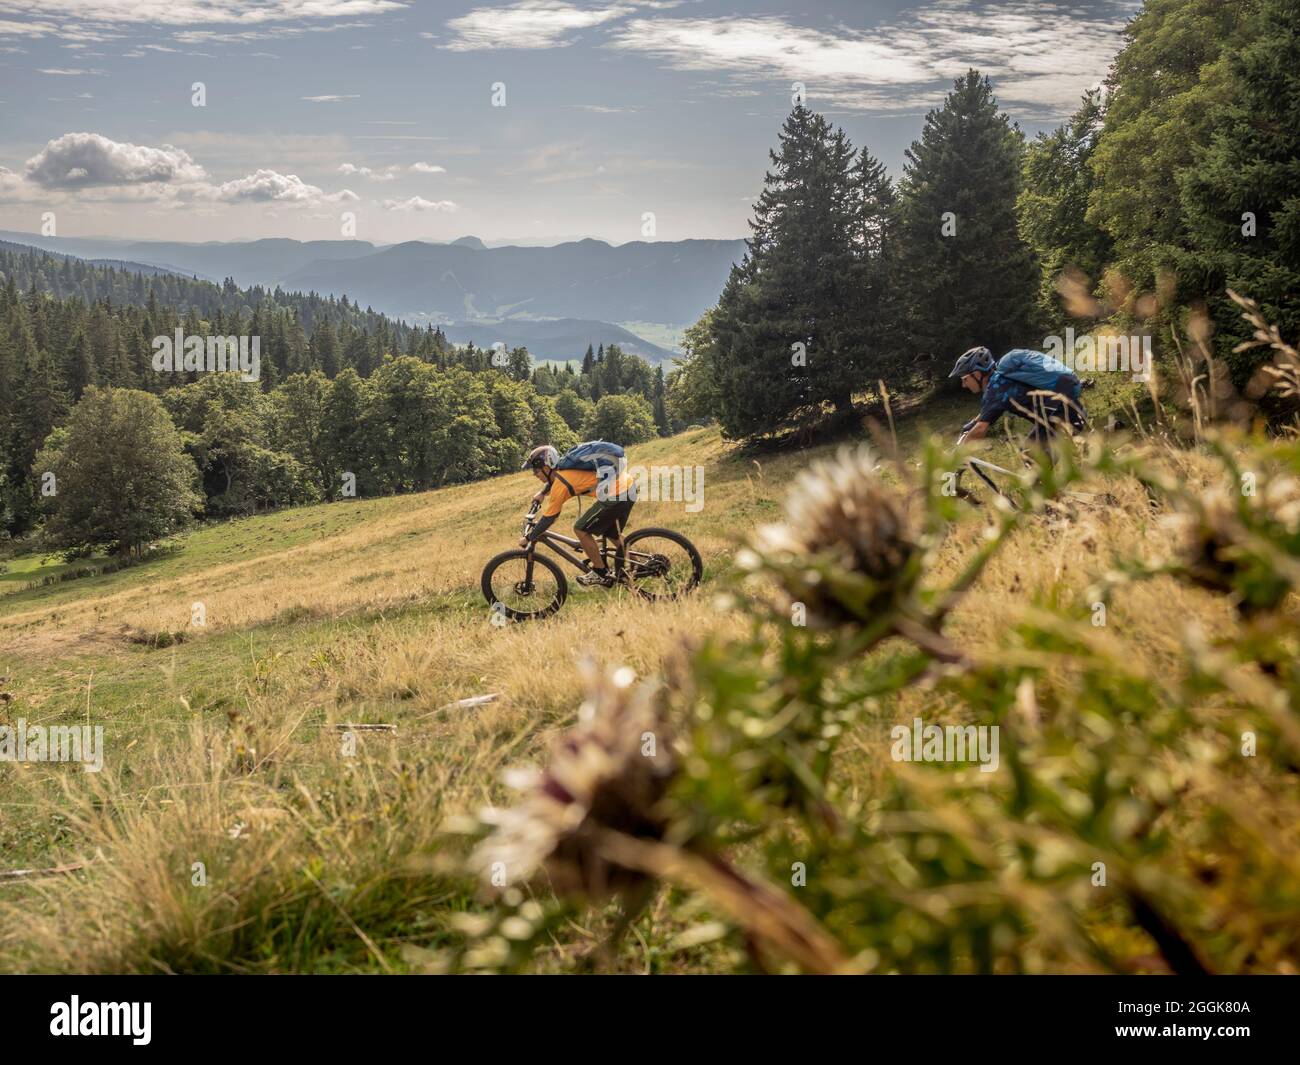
x=608, y=773
x=844, y=548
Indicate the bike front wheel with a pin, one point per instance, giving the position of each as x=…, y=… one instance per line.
x=661, y=564
x=524, y=586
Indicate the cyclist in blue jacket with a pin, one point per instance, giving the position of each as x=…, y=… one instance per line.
x=1029, y=384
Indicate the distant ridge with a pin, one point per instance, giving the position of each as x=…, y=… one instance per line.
x=666, y=282
x=561, y=339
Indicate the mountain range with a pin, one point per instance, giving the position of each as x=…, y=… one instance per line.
x=554, y=300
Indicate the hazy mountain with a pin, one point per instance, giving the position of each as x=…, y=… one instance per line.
x=669, y=282
x=562, y=338
x=256, y=262
x=554, y=300
x=147, y=269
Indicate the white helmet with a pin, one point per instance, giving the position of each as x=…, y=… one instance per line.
x=541, y=457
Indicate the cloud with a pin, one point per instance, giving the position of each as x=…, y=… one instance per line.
x=202, y=12
x=418, y=203
x=93, y=167
x=389, y=173
x=270, y=186
x=332, y=99
x=12, y=185
x=78, y=160
x=70, y=72
x=9, y=28
x=528, y=24
x=1041, y=55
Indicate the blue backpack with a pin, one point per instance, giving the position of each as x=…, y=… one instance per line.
x=592, y=456
x=1038, y=370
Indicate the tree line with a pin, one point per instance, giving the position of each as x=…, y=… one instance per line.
x=348, y=402
x=1138, y=213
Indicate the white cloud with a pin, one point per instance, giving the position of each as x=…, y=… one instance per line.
x=78, y=160
x=270, y=186
x=267, y=32
x=386, y=174
x=1040, y=55
x=9, y=28
x=14, y=188
x=418, y=203
x=332, y=99
x=92, y=167
x=389, y=173
x=202, y=12
x=528, y=24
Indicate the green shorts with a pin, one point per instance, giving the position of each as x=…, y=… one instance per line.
x=604, y=516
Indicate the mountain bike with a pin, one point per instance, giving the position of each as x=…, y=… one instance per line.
x=524, y=585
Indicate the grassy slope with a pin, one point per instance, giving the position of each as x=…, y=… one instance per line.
x=367, y=611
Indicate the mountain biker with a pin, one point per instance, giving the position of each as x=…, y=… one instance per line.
x=1032, y=385
x=563, y=480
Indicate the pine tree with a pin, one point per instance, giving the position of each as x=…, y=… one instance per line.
x=784, y=336
x=968, y=276
x=325, y=348
x=80, y=370
x=875, y=305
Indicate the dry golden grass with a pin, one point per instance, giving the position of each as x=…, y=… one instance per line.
x=224, y=750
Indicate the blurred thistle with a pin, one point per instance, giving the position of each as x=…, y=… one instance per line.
x=1245, y=547
x=845, y=548
x=597, y=823
x=608, y=773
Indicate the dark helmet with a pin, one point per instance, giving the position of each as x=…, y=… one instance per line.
x=541, y=457
x=977, y=360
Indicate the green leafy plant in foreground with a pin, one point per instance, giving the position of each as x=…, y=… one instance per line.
x=1142, y=816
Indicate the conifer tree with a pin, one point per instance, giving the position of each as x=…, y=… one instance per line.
x=969, y=278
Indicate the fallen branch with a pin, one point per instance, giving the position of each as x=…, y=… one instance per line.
x=366, y=728
x=27, y=874
x=466, y=704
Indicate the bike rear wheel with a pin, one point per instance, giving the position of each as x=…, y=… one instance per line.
x=660, y=564
x=524, y=586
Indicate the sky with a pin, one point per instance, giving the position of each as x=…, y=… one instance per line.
x=535, y=121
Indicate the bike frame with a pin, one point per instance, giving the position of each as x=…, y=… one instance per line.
x=557, y=542
x=554, y=540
